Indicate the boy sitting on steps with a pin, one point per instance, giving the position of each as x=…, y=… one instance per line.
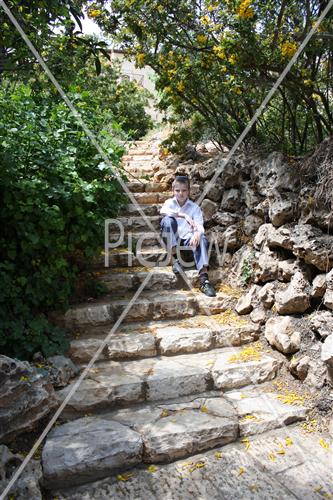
x=183, y=223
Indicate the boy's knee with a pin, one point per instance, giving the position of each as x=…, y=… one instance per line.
x=168, y=221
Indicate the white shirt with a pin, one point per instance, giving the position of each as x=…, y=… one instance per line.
x=171, y=207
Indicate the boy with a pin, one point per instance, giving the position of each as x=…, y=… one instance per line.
x=183, y=221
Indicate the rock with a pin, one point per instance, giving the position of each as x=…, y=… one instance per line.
x=261, y=412
x=234, y=171
x=281, y=210
x=172, y=340
x=266, y=266
x=97, y=449
x=295, y=298
x=280, y=237
x=327, y=351
x=287, y=268
x=328, y=297
x=273, y=174
x=207, y=169
x=225, y=218
x=300, y=367
x=317, y=374
x=231, y=201
x=209, y=208
x=258, y=315
x=26, y=396
x=188, y=432
x=318, y=287
x=63, y=369
x=27, y=485
x=251, y=224
x=282, y=333
x=245, y=303
x=321, y=322
x=266, y=295
x=214, y=192
x=250, y=195
x=312, y=245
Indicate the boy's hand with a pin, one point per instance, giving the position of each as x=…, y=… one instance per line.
x=195, y=240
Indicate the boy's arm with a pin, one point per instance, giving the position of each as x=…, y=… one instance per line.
x=198, y=220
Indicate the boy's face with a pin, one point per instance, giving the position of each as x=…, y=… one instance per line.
x=181, y=192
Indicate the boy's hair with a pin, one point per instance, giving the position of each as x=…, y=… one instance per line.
x=182, y=179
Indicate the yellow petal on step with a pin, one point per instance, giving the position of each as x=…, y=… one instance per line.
x=218, y=455
x=152, y=468
x=241, y=471
x=173, y=420
x=318, y=489
x=247, y=443
x=242, y=395
x=253, y=488
x=125, y=477
x=281, y=450
x=323, y=444
x=164, y=414
x=185, y=464
x=204, y=409
x=289, y=441
x=211, y=362
x=272, y=457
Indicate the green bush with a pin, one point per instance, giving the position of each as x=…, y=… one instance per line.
x=56, y=192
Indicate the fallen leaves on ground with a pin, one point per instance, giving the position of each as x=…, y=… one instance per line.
x=218, y=455
x=249, y=353
x=241, y=471
x=125, y=477
x=152, y=468
x=324, y=444
x=246, y=442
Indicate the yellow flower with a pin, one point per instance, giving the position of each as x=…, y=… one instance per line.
x=180, y=86
x=219, y=52
x=244, y=10
x=168, y=90
x=308, y=83
x=94, y=13
x=288, y=49
x=202, y=39
x=204, y=20
x=232, y=59
x=140, y=59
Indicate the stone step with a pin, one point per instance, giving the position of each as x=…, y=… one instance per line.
x=148, y=306
x=130, y=278
x=111, y=384
x=147, y=186
x=167, y=338
x=123, y=257
x=141, y=157
x=151, y=198
x=137, y=223
x=139, y=239
x=147, y=209
x=284, y=464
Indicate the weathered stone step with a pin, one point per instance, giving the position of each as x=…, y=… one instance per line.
x=123, y=257
x=139, y=239
x=141, y=157
x=284, y=464
x=145, y=340
x=137, y=223
x=162, y=278
x=148, y=306
x=110, y=383
x=147, y=186
x=132, y=209
x=149, y=198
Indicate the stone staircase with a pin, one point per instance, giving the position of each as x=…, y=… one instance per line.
x=183, y=373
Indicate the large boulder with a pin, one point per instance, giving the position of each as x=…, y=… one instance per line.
x=283, y=333
x=63, y=369
x=231, y=200
x=209, y=208
x=295, y=298
x=327, y=351
x=273, y=174
x=318, y=287
x=26, y=396
x=88, y=449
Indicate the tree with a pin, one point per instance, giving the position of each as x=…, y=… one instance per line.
x=220, y=58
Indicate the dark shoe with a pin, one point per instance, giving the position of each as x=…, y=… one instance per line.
x=208, y=289
x=176, y=267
